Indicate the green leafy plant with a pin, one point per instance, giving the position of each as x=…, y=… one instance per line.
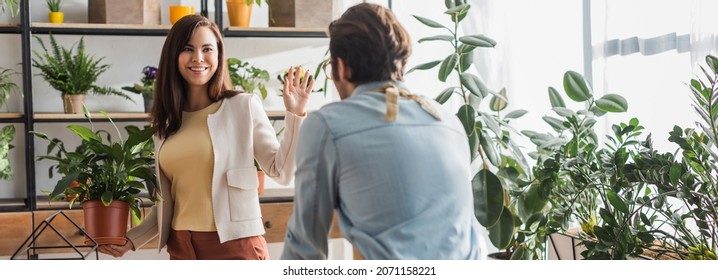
x=13, y=6
x=690, y=179
x=72, y=71
x=247, y=77
x=54, y=5
x=105, y=170
x=501, y=186
x=7, y=134
x=7, y=86
x=587, y=180
x=147, y=88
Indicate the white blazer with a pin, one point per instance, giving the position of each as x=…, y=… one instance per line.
x=240, y=131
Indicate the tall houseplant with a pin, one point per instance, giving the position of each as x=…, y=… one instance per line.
x=73, y=72
x=108, y=174
x=501, y=185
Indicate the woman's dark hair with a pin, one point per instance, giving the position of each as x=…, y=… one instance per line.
x=371, y=42
x=170, y=87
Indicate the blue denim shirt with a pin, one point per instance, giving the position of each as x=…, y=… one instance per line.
x=402, y=189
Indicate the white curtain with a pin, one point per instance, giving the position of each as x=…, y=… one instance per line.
x=646, y=60
x=704, y=30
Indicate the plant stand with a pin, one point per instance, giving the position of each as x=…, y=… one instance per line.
x=29, y=248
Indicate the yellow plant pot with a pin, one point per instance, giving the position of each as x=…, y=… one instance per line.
x=239, y=13
x=56, y=17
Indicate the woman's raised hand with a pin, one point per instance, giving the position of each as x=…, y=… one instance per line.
x=297, y=90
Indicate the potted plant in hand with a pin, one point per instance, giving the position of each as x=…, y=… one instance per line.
x=110, y=175
x=147, y=88
x=55, y=16
x=504, y=200
x=247, y=77
x=73, y=72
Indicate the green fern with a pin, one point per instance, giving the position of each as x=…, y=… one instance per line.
x=72, y=71
x=7, y=86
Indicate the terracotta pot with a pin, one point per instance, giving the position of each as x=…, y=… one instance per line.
x=73, y=103
x=56, y=17
x=107, y=225
x=239, y=13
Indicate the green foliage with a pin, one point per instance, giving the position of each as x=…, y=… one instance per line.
x=7, y=134
x=104, y=169
x=72, y=71
x=147, y=88
x=54, y=5
x=13, y=6
x=691, y=180
x=7, y=86
x=587, y=181
x=500, y=186
x=258, y=2
x=247, y=77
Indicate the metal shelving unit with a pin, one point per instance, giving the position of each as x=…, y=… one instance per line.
x=26, y=29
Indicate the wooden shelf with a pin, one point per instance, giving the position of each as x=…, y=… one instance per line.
x=61, y=117
x=10, y=28
x=100, y=29
x=11, y=117
x=275, y=32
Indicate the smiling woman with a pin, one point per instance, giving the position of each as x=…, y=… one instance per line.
x=210, y=208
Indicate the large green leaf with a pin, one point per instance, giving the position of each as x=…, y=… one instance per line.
x=534, y=201
x=612, y=103
x=474, y=144
x=712, y=62
x=502, y=232
x=575, y=86
x=445, y=95
x=467, y=116
x=617, y=202
x=489, y=150
x=499, y=102
x=465, y=61
x=429, y=22
x=424, y=66
x=555, y=97
x=447, y=38
x=479, y=41
x=447, y=66
x=516, y=114
x=85, y=133
x=473, y=84
x=488, y=197
x=555, y=123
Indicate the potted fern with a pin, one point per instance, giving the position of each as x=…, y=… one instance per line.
x=108, y=177
x=73, y=72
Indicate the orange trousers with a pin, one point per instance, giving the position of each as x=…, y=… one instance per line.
x=194, y=245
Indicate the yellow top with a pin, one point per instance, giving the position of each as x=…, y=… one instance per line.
x=187, y=159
